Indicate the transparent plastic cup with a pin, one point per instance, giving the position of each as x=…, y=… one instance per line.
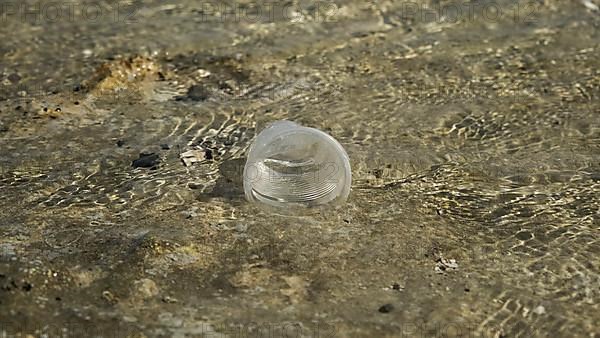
x=291, y=166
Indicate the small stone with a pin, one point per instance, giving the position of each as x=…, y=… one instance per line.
x=120, y=143
x=443, y=265
x=146, y=160
x=540, y=310
x=109, y=297
x=524, y=235
x=14, y=78
x=146, y=288
x=194, y=186
x=191, y=213
x=387, y=308
x=590, y=5
x=130, y=319
x=168, y=299
x=27, y=286
x=197, y=93
x=165, y=146
x=192, y=156
x=396, y=286
x=203, y=73
x=208, y=154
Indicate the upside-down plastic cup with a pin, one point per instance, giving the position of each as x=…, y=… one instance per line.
x=292, y=166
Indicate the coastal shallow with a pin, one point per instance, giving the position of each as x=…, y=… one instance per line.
x=473, y=140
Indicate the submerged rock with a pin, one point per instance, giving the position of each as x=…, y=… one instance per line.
x=386, y=308
x=146, y=160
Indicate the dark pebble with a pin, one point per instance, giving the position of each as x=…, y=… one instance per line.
x=396, y=286
x=360, y=34
x=120, y=143
x=524, y=235
x=146, y=160
x=378, y=173
x=165, y=146
x=14, y=77
x=194, y=186
x=387, y=308
x=224, y=86
x=197, y=93
x=27, y=287
x=3, y=128
x=208, y=154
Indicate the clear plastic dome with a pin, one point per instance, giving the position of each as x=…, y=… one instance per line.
x=291, y=165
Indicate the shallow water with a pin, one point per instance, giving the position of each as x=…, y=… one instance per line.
x=474, y=146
